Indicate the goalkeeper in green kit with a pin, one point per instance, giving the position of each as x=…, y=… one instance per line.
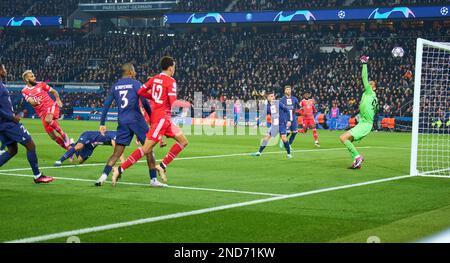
x=367, y=110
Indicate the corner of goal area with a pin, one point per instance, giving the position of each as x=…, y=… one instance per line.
x=441, y=173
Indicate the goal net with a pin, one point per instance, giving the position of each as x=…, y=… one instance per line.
x=430, y=152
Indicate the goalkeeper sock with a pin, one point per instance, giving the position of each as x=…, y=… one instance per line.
x=352, y=149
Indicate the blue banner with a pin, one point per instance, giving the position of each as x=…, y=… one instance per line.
x=31, y=21
x=127, y=7
x=381, y=13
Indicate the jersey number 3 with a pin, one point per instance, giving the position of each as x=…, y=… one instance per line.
x=123, y=96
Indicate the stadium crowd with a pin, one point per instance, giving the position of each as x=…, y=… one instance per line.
x=255, y=5
x=10, y=8
x=295, y=4
x=66, y=7
x=235, y=64
x=229, y=65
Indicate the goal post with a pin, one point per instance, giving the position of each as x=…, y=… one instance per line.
x=430, y=147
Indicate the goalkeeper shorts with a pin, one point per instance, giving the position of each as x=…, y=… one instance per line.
x=361, y=130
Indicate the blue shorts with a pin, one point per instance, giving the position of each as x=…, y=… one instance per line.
x=293, y=128
x=12, y=132
x=86, y=152
x=126, y=131
x=274, y=130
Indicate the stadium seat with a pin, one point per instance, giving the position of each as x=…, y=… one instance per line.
x=321, y=119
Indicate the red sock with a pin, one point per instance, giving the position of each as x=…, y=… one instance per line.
x=61, y=143
x=55, y=125
x=172, y=154
x=133, y=158
x=316, y=137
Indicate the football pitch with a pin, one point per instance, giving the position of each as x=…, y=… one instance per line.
x=218, y=193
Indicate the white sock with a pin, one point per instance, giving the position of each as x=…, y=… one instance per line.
x=103, y=178
x=37, y=176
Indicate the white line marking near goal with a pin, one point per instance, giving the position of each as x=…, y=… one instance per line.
x=148, y=185
x=194, y=212
x=199, y=157
x=443, y=237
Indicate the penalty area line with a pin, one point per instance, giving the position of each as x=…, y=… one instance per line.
x=194, y=212
x=185, y=158
x=148, y=185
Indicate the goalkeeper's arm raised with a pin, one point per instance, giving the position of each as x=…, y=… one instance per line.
x=365, y=75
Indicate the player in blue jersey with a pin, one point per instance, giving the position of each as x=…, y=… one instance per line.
x=86, y=145
x=13, y=132
x=291, y=104
x=131, y=121
x=279, y=116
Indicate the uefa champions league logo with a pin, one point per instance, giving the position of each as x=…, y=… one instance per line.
x=444, y=11
x=281, y=17
x=217, y=17
x=341, y=14
x=407, y=13
x=20, y=21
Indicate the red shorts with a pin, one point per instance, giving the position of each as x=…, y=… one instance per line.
x=308, y=122
x=54, y=110
x=163, y=127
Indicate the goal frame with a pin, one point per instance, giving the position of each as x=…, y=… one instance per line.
x=416, y=106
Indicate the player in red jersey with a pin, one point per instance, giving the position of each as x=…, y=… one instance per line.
x=161, y=90
x=308, y=108
x=162, y=144
x=37, y=94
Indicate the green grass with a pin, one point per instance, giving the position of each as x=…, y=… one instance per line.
x=396, y=211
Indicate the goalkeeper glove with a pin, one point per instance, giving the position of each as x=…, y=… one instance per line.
x=364, y=59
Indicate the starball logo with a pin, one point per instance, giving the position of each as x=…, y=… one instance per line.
x=199, y=19
x=377, y=14
x=285, y=16
x=19, y=21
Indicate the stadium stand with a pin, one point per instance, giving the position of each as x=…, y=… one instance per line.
x=295, y=4
x=230, y=65
x=242, y=63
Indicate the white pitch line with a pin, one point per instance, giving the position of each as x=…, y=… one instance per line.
x=185, y=158
x=443, y=237
x=148, y=185
x=194, y=212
